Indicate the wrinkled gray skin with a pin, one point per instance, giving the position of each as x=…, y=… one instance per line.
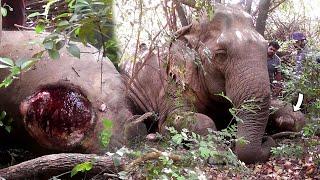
x=83, y=74
x=233, y=58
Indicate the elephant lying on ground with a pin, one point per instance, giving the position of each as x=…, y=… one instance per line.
x=61, y=102
x=207, y=58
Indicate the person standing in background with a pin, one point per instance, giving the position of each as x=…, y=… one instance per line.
x=274, y=63
x=300, y=42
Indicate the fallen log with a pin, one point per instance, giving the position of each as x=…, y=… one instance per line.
x=55, y=164
x=62, y=103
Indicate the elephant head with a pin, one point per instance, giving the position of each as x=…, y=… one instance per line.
x=233, y=56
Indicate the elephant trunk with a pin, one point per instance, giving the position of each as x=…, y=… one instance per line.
x=250, y=82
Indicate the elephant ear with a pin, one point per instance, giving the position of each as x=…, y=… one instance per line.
x=182, y=67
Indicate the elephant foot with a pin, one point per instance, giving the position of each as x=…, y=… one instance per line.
x=255, y=152
x=195, y=122
x=285, y=119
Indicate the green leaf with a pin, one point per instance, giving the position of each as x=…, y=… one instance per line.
x=15, y=70
x=74, y=50
x=63, y=23
x=48, y=45
x=39, y=28
x=8, y=128
x=60, y=44
x=27, y=64
x=6, y=82
x=76, y=32
x=51, y=37
x=4, y=66
x=107, y=123
x=205, y=152
x=177, y=138
x=3, y=115
x=4, y=11
x=106, y=133
x=63, y=15
x=83, y=167
x=54, y=54
x=34, y=15
x=6, y=61
x=38, y=55
x=116, y=161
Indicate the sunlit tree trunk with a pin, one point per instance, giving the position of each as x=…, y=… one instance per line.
x=181, y=13
x=248, y=6
x=262, y=16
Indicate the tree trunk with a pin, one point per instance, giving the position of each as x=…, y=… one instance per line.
x=262, y=16
x=181, y=14
x=56, y=164
x=248, y=6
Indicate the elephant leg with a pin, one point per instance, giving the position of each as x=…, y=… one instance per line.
x=284, y=118
x=195, y=122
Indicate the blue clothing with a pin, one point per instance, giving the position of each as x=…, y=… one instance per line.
x=300, y=58
x=273, y=67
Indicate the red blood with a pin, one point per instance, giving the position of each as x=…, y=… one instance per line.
x=60, y=115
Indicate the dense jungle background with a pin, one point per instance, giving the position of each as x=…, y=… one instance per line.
x=119, y=29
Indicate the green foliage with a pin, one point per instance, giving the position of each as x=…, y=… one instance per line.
x=15, y=68
x=87, y=21
x=307, y=84
x=3, y=11
x=207, y=6
x=106, y=132
x=194, y=152
x=287, y=151
x=5, y=123
x=74, y=50
x=247, y=106
x=83, y=167
x=311, y=129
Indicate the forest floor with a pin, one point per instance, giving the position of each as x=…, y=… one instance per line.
x=300, y=161
x=295, y=158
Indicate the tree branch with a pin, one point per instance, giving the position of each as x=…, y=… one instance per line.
x=286, y=134
x=181, y=14
x=190, y=3
x=277, y=5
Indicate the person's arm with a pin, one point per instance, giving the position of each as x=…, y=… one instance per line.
x=277, y=75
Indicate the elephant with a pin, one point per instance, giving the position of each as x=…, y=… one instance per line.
x=283, y=118
x=61, y=104
x=182, y=83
